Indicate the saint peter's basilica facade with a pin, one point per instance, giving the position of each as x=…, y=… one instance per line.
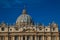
x=25, y=29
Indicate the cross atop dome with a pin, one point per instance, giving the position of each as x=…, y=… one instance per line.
x=24, y=10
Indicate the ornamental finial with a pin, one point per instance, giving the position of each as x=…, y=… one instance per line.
x=24, y=10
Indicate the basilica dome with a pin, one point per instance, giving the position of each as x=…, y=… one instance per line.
x=24, y=18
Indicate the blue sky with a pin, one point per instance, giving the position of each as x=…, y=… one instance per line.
x=41, y=11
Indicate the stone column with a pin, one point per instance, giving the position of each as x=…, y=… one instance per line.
x=31, y=37
x=43, y=37
x=25, y=37
x=38, y=37
x=21, y=37
x=35, y=37
x=49, y=37
x=57, y=38
x=13, y=38
x=6, y=37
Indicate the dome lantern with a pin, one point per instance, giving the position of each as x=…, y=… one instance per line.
x=24, y=11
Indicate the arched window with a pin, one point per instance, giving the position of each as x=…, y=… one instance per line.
x=2, y=29
x=16, y=28
x=10, y=29
x=40, y=28
x=53, y=29
x=46, y=29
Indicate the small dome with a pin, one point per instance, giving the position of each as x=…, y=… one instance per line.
x=24, y=18
x=54, y=24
